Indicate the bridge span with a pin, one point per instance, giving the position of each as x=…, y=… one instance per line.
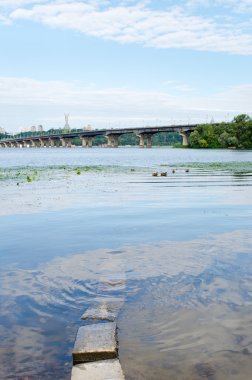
x=64, y=138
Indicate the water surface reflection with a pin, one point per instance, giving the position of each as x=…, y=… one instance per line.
x=173, y=254
x=192, y=326
x=184, y=302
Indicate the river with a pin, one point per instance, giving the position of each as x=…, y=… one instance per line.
x=75, y=222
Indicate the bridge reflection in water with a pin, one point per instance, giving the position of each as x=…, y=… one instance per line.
x=64, y=138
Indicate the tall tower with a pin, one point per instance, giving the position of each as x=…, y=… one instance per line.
x=67, y=126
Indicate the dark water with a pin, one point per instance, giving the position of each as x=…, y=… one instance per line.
x=173, y=254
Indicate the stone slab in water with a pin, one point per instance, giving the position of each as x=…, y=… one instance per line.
x=100, y=370
x=102, y=313
x=95, y=342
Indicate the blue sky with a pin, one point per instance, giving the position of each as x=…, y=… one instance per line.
x=124, y=63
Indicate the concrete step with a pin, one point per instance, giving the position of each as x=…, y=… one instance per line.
x=100, y=370
x=95, y=342
x=99, y=313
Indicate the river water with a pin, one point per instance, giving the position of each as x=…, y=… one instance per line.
x=173, y=255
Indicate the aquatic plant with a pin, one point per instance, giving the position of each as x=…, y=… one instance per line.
x=234, y=167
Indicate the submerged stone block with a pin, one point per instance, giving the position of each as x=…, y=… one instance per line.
x=95, y=342
x=102, y=313
x=100, y=370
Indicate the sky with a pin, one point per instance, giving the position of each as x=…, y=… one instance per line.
x=124, y=63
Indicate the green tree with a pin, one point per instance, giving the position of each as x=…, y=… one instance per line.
x=243, y=118
x=203, y=143
x=237, y=134
x=195, y=139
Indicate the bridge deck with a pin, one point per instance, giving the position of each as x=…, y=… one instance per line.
x=100, y=132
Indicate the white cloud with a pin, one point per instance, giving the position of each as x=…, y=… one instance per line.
x=234, y=5
x=174, y=27
x=18, y=3
x=112, y=105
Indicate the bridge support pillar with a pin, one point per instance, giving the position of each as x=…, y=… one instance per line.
x=185, y=136
x=109, y=141
x=47, y=143
x=116, y=141
x=90, y=142
x=66, y=143
x=87, y=142
x=148, y=137
x=51, y=142
x=41, y=143
x=112, y=140
x=141, y=142
x=32, y=144
x=37, y=143
x=25, y=144
x=84, y=142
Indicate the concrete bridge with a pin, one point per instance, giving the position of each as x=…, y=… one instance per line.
x=64, y=137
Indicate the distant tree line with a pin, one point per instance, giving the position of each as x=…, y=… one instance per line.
x=235, y=134
x=5, y=135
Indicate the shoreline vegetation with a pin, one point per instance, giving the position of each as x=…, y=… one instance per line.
x=236, y=134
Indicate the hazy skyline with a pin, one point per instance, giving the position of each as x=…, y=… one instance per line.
x=124, y=63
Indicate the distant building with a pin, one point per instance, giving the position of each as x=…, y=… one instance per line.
x=87, y=128
x=33, y=128
x=40, y=128
x=2, y=130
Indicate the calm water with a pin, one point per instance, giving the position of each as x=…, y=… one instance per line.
x=124, y=157
x=172, y=254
